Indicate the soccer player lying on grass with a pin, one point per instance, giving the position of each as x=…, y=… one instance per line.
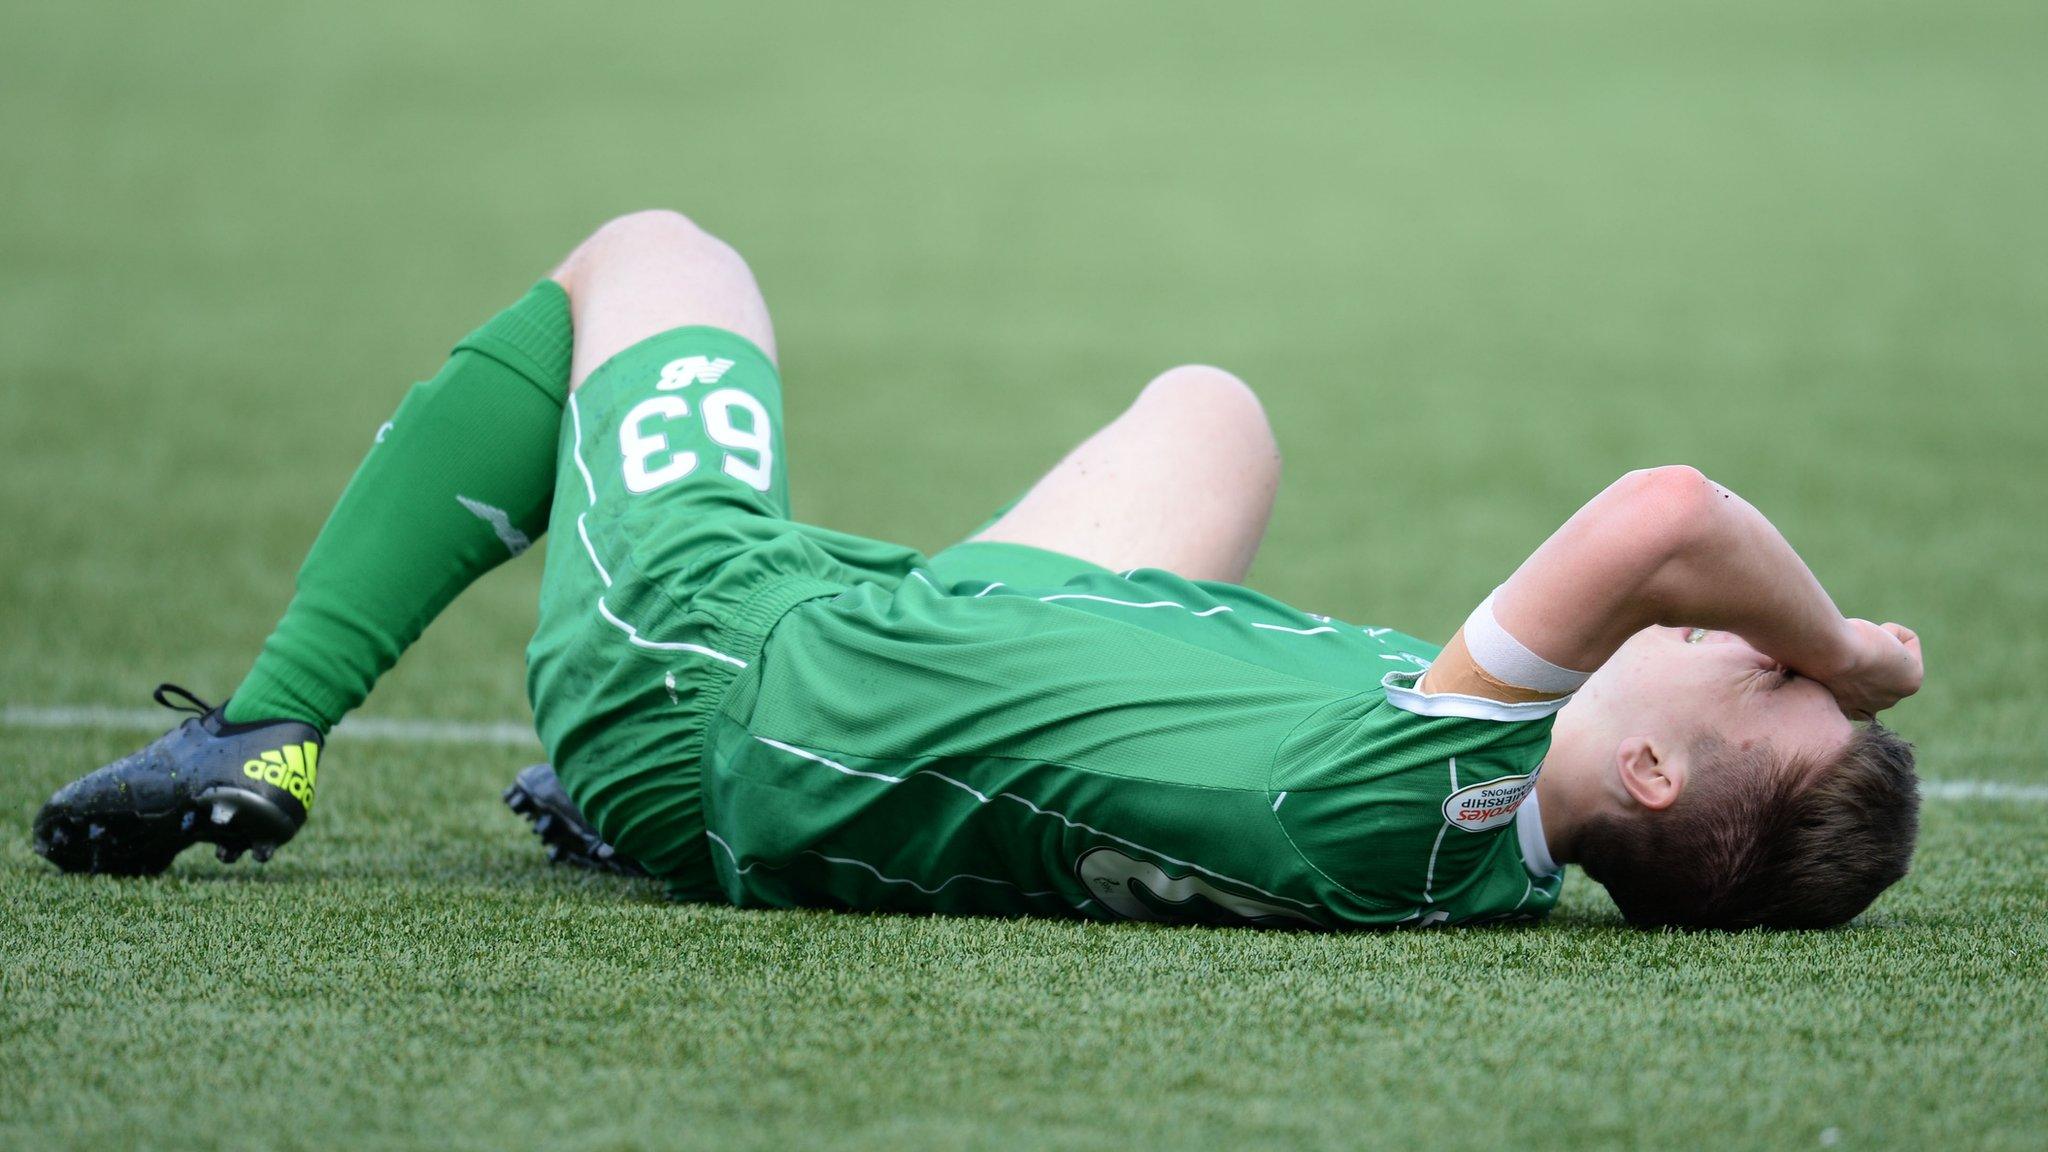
x=1077, y=712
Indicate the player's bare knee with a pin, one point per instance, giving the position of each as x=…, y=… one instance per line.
x=656, y=235
x=1222, y=411
x=650, y=226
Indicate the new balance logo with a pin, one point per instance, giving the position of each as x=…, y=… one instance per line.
x=294, y=768
x=692, y=370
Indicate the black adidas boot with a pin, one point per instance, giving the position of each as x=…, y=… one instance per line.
x=536, y=796
x=241, y=787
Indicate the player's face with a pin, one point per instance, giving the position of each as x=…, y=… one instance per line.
x=1685, y=679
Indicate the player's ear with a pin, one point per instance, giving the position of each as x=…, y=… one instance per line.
x=1651, y=771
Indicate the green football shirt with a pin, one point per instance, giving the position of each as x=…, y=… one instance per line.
x=1133, y=746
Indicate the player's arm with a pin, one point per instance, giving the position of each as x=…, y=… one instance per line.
x=1668, y=546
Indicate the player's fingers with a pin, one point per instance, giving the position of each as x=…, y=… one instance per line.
x=1911, y=641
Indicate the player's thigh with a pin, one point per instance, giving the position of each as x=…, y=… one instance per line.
x=1184, y=480
x=649, y=272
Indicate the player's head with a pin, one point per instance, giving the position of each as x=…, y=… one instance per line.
x=1743, y=796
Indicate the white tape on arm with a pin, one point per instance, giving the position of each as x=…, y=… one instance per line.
x=1504, y=658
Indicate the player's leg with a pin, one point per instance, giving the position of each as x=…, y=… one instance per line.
x=463, y=476
x=1184, y=480
x=672, y=451
x=457, y=482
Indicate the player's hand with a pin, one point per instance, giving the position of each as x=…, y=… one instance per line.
x=1885, y=668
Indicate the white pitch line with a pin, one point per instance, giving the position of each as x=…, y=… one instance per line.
x=503, y=734
x=508, y=734
x=1983, y=790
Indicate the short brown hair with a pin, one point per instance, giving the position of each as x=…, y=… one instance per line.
x=1758, y=841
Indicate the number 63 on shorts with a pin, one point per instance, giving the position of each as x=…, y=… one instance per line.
x=732, y=419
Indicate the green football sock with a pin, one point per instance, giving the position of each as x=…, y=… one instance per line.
x=458, y=482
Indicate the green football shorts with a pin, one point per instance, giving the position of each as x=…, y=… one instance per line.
x=672, y=554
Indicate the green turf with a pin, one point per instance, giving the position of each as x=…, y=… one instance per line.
x=1478, y=257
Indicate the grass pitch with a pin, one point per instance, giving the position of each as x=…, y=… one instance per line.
x=1479, y=258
